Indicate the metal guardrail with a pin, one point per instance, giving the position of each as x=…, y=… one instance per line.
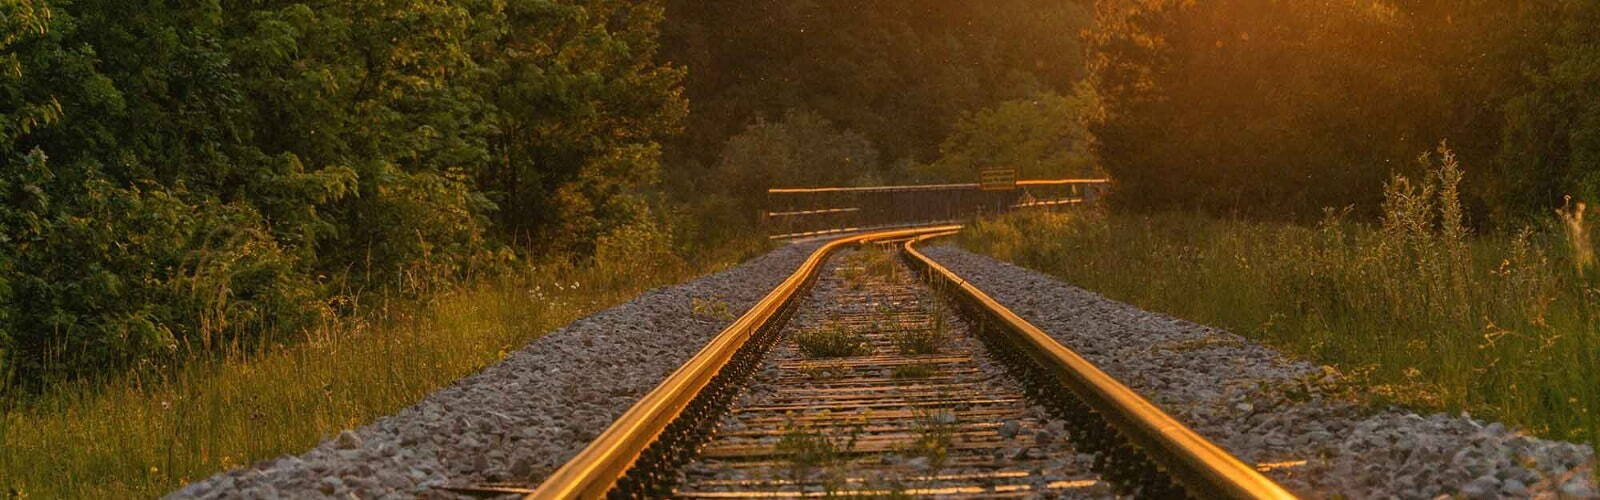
x=1195, y=463
x=810, y=211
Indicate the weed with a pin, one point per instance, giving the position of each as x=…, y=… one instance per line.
x=807, y=451
x=868, y=264
x=935, y=431
x=713, y=308
x=803, y=447
x=1416, y=309
x=822, y=372
x=832, y=340
x=914, y=371
x=918, y=341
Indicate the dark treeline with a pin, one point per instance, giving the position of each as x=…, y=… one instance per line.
x=1278, y=108
x=834, y=92
x=184, y=177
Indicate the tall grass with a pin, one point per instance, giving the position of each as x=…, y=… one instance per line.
x=1426, y=313
x=143, y=437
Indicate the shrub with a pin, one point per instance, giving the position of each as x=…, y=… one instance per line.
x=914, y=371
x=918, y=341
x=141, y=277
x=832, y=340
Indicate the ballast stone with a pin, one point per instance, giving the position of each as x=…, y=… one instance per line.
x=1242, y=395
x=522, y=418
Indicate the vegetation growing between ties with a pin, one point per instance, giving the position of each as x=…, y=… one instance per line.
x=914, y=371
x=915, y=340
x=935, y=431
x=832, y=340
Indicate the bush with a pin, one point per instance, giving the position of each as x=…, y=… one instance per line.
x=216, y=175
x=140, y=277
x=1044, y=137
x=832, y=340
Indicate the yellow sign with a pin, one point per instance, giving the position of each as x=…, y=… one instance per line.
x=997, y=179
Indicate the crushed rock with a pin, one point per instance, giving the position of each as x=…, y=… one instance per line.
x=519, y=420
x=1268, y=408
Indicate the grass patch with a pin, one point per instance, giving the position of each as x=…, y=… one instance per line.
x=871, y=263
x=935, y=431
x=823, y=373
x=1416, y=309
x=712, y=308
x=832, y=340
x=807, y=452
x=914, y=371
x=143, y=436
x=915, y=342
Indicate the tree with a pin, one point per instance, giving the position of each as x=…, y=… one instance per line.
x=1043, y=137
x=1277, y=108
x=1551, y=143
x=801, y=150
x=898, y=73
x=182, y=176
x=581, y=103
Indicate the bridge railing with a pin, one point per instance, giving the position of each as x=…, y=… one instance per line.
x=816, y=211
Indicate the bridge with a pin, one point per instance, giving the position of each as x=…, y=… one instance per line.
x=817, y=211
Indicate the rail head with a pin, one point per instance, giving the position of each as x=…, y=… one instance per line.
x=598, y=467
x=933, y=187
x=1196, y=463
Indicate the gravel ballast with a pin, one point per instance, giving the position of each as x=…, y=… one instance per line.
x=522, y=418
x=989, y=426
x=1267, y=408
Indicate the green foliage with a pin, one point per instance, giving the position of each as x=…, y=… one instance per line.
x=899, y=73
x=807, y=93
x=1417, y=310
x=1278, y=108
x=141, y=277
x=832, y=340
x=143, y=437
x=935, y=435
x=1044, y=137
x=188, y=177
x=580, y=102
x=1551, y=143
x=921, y=341
x=803, y=149
x=914, y=371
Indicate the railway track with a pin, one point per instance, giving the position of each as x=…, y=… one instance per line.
x=873, y=371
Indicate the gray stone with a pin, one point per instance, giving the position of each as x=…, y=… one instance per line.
x=1482, y=487
x=1009, y=428
x=1235, y=392
x=330, y=485
x=1578, y=488
x=555, y=378
x=1514, y=488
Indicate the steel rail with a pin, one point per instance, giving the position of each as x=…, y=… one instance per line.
x=598, y=467
x=1060, y=182
x=1197, y=464
x=930, y=187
